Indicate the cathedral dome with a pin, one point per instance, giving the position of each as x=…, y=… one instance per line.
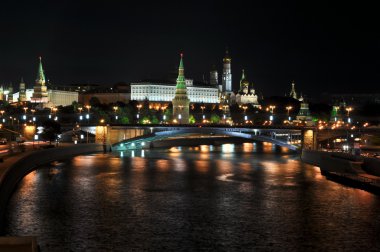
x=244, y=82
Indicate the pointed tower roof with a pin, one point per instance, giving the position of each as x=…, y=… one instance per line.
x=40, y=75
x=227, y=58
x=243, y=80
x=181, y=82
x=242, y=75
x=293, y=93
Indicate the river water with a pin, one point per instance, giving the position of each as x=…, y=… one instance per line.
x=227, y=198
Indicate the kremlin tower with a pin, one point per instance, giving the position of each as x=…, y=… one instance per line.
x=227, y=76
x=181, y=101
x=40, y=94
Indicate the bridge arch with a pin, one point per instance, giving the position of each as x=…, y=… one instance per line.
x=145, y=140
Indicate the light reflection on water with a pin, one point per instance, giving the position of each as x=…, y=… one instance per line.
x=228, y=197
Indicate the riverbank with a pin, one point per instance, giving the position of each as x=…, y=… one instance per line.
x=355, y=171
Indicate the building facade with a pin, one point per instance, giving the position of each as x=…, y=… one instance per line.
x=165, y=92
x=246, y=94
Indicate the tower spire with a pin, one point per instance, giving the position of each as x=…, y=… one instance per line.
x=40, y=94
x=181, y=82
x=181, y=101
x=227, y=75
x=40, y=75
x=293, y=93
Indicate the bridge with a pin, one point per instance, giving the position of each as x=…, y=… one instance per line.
x=123, y=137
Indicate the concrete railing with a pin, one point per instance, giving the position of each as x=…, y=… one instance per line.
x=16, y=168
x=341, y=162
x=372, y=166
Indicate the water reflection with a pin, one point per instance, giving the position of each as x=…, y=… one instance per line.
x=227, y=197
x=228, y=148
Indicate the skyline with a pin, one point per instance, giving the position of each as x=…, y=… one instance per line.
x=323, y=49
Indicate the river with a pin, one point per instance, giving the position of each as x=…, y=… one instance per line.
x=227, y=198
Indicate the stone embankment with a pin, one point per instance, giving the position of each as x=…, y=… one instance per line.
x=347, y=169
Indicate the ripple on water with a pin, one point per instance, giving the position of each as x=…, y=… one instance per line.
x=163, y=201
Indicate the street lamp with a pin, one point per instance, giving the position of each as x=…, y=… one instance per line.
x=88, y=107
x=33, y=118
x=2, y=115
x=163, y=108
x=55, y=109
x=203, y=115
x=244, y=107
x=271, y=107
x=180, y=114
x=349, y=109
x=115, y=108
x=138, y=113
x=80, y=113
x=288, y=108
x=24, y=116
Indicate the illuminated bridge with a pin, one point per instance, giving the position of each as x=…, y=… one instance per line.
x=124, y=137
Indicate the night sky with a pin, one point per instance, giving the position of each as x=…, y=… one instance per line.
x=323, y=47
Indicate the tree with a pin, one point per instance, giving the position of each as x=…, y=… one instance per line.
x=50, y=131
x=215, y=118
x=94, y=101
x=192, y=119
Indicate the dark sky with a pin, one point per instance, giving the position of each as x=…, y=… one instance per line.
x=323, y=47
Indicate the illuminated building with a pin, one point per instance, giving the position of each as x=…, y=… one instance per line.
x=22, y=91
x=181, y=101
x=40, y=94
x=227, y=75
x=214, y=79
x=337, y=112
x=43, y=96
x=304, y=114
x=28, y=95
x=246, y=94
x=156, y=91
x=117, y=93
x=293, y=93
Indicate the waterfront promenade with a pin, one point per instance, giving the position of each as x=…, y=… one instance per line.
x=355, y=171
